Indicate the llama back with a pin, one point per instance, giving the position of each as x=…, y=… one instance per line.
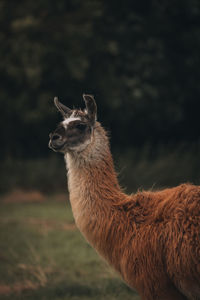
x=179, y=203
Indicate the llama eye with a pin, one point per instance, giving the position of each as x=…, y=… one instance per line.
x=81, y=127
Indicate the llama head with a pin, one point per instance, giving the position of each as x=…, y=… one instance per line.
x=75, y=132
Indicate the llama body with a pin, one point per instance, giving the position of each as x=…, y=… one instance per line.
x=151, y=238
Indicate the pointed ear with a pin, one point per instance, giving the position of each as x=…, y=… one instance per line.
x=91, y=107
x=64, y=110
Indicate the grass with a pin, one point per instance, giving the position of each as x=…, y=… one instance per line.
x=43, y=256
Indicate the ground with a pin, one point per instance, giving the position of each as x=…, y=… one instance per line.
x=43, y=255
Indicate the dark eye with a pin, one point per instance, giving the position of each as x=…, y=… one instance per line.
x=81, y=126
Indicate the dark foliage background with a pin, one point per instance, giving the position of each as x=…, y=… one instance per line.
x=141, y=60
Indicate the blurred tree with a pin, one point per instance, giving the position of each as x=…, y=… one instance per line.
x=140, y=59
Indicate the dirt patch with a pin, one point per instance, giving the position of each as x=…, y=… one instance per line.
x=17, y=287
x=5, y=289
x=20, y=196
x=47, y=225
x=36, y=271
x=43, y=226
x=61, y=197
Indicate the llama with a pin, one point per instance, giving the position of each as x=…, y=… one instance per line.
x=151, y=238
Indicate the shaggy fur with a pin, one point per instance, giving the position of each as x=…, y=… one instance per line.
x=151, y=238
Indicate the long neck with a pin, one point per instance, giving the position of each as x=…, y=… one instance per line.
x=93, y=187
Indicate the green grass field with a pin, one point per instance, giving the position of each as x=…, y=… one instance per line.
x=43, y=256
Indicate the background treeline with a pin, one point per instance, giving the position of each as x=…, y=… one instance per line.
x=141, y=60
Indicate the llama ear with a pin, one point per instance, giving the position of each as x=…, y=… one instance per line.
x=64, y=110
x=91, y=107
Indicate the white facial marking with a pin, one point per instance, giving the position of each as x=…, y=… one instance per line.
x=69, y=120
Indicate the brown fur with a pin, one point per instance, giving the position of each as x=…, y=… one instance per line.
x=151, y=238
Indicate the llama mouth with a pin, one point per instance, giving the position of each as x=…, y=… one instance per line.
x=56, y=147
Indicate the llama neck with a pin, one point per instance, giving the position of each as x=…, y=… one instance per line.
x=93, y=186
x=91, y=174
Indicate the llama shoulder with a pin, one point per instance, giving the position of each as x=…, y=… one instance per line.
x=182, y=201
